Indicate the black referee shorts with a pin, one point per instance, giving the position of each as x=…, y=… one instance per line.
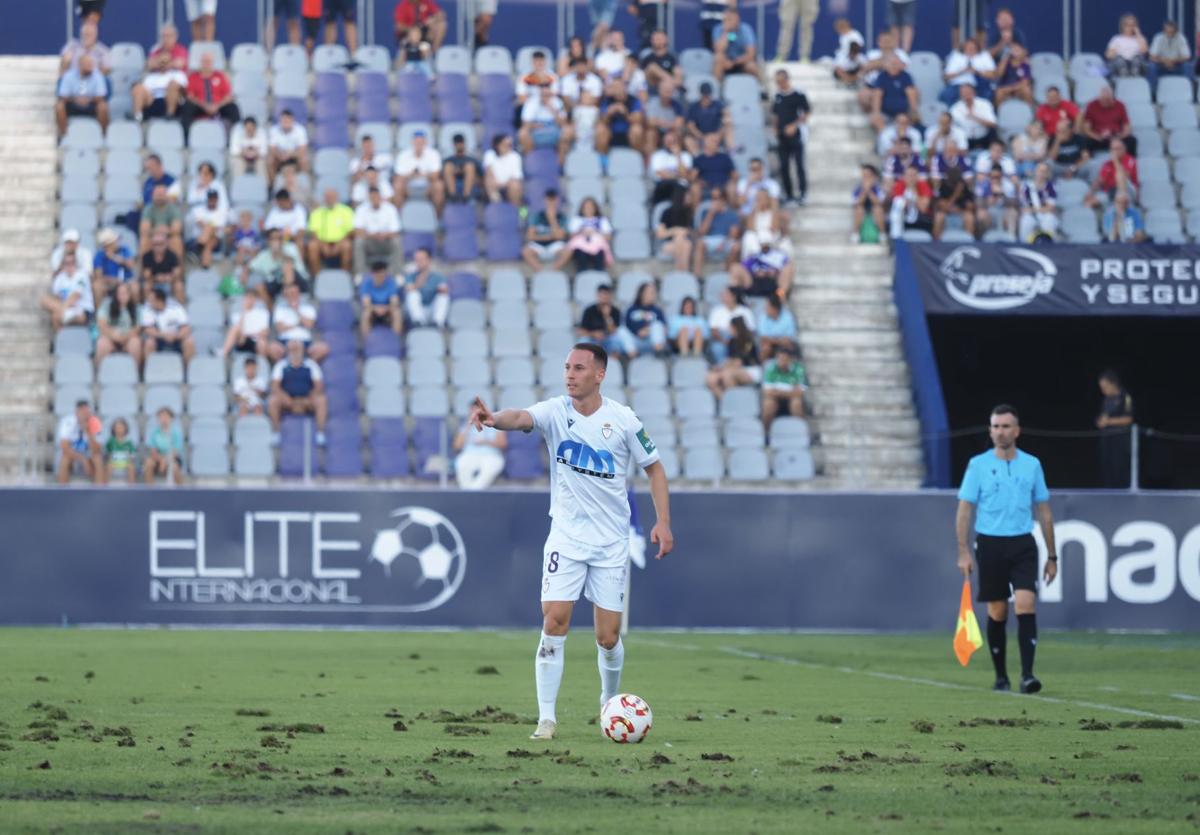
x=1004, y=562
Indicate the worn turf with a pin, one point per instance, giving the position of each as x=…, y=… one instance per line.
x=184, y=731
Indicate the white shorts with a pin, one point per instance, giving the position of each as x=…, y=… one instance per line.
x=546, y=252
x=569, y=567
x=197, y=8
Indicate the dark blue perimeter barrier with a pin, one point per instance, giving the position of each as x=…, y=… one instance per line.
x=384, y=558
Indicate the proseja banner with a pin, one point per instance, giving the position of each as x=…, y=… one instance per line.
x=1059, y=279
x=432, y=559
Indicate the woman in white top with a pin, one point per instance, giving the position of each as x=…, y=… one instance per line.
x=206, y=180
x=1127, y=50
x=247, y=148
x=765, y=224
x=503, y=175
x=1029, y=148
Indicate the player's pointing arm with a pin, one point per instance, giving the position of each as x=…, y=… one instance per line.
x=505, y=420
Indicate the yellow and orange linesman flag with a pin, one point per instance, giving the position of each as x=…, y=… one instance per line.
x=966, y=637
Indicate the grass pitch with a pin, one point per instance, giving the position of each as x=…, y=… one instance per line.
x=149, y=731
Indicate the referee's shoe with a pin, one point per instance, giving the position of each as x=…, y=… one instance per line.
x=1030, y=685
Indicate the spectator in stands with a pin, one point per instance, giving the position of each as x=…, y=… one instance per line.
x=88, y=43
x=120, y=454
x=674, y=230
x=156, y=175
x=777, y=329
x=975, y=117
x=912, y=205
x=949, y=159
x=546, y=234
x=719, y=232
x=671, y=168
x=202, y=15
x=164, y=449
x=1169, y=51
x=793, y=12
x=704, y=116
x=955, y=198
x=1068, y=150
x=288, y=216
x=247, y=149
x=937, y=136
x=295, y=318
x=298, y=185
x=575, y=49
x=902, y=128
x=894, y=93
x=581, y=90
x=902, y=19
x=368, y=157
x=165, y=326
x=1029, y=148
x=161, y=268
x=590, y=244
x=1123, y=222
x=869, y=200
x=783, y=385
x=735, y=48
x=659, y=63
x=279, y=264
x=715, y=170
x=425, y=15
x=996, y=200
x=480, y=458
x=876, y=60
x=601, y=322
x=419, y=167
x=371, y=179
x=247, y=242
x=90, y=11
x=712, y=13
x=209, y=95
x=426, y=292
x=503, y=174
x=415, y=53
x=968, y=65
x=1015, y=77
x=621, y=123
x=766, y=271
x=897, y=163
x=112, y=266
x=635, y=80
x=664, y=114
x=645, y=328
x=69, y=244
x=250, y=330
x=1105, y=119
x=650, y=14
x=1127, y=51
x=1005, y=33
x=376, y=232
x=79, y=443
x=1056, y=109
x=289, y=10
x=208, y=223
x=485, y=13
x=162, y=216
x=540, y=75
x=380, y=297
x=789, y=112
x=169, y=45
x=687, y=330
x=287, y=141
x=82, y=92
x=848, y=61
x=740, y=365
x=162, y=88
x=765, y=223
x=997, y=155
x=249, y=389
x=331, y=231
x=1039, y=215
x=1118, y=175
x=70, y=300
x=609, y=62
x=206, y=180
x=545, y=124
x=720, y=322
x=461, y=173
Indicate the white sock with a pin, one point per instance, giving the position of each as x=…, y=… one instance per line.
x=441, y=308
x=610, y=662
x=548, y=671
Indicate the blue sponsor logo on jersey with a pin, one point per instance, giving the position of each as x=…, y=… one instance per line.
x=583, y=459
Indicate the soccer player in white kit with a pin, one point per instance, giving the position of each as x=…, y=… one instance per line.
x=591, y=441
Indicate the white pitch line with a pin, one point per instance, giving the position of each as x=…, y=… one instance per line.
x=1186, y=697
x=946, y=685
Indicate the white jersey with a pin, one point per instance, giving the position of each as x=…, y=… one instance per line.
x=590, y=458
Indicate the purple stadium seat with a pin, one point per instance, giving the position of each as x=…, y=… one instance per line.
x=332, y=110
x=535, y=192
x=332, y=135
x=497, y=127
x=427, y=442
x=299, y=108
x=371, y=84
x=460, y=245
x=343, y=399
x=459, y=216
x=418, y=240
x=330, y=85
x=503, y=232
x=502, y=246
x=341, y=342
x=382, y=342
x=412, y=95
x=291, y=446
x=413, y=84
x=465, y=286
x=388, y=431
x=523, y=457
x=372, y=95
x=336, y=316
x=541, y=164
x=343, y=452
x=389, y=460
x=496, y=86
x=455, y=109
x=340, y=369
x=451, y=84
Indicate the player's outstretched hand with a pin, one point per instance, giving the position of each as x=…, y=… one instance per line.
x=660, y=534
x=481, y=415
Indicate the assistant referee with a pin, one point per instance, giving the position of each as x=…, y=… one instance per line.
x=1003, y=486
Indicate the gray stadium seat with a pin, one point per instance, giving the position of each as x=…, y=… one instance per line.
x=373, y=58
x=73, y=340
x=549, y=285
x=661, y=429
x=628, y=284
x=206, y=312
x=1142, y=115
x=579, y=188
x=453, y=59
x=626, y=162
x=688, y=372
x=582, y=163
x=79, y=189
x=703, y=464
x=511, y=342
x=248, y=188
x=81, y=218
x=209, y=461
x=1174, y=89
x=382, y=133
x=789, y=432
x=164, y=135
x=206, y=371
x=676, y=286
x=248, y=58
x=1156, y=194
x=385, y=402
x=1014, y=116
x=207, y=400
x=792, y=465
x=744, y=432
x=1132, y=90
x=418, y=216
x=164, y=368
x=159, y=396
x=289, y=59
x=524, y=61
x=743, y=401
x=692, y=83
x=330, y=58
x=207, y=135
x=1046, y=64
x=670, y=461
x=555, y=343
x=426, y=372
x=629, y=214
x=1071, y=192
x=404, y=134
x=1175, y=116
x=1149, y=143
x=549, y=315
x=334, y=285
x=740, y=87
x=514, y=371
x=514, y=395
x=83, y=132
x=651, y=401
x=445, y=142
x=208, y=340
x=464, y=398
x=382, y=371
x=749, y=465
x=251, y=429
x=495, y=60
x=285, y=85
x=254, y=460
x=696, y=61
x=80, y=162
x=695, y=402
x=425, y=342
x=506, y=284
x=75, y=369
x=586, y=283
x=696, y=432
x=466, y=314
x=648, y=372
x=118, y=400
x=1183, y=143
x=631, y=245
x=469, y=344
x=331, y=161
x=472, y=373
x=66, y=396
x=509, y=314
x=117, y=369
x=429, y=401
x=127, y=55
x=1087, y=89
x=1086, y=65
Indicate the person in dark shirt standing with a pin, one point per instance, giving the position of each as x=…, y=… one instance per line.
x=790, y=111
x=1116, y=416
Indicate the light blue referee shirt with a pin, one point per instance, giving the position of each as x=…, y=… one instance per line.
x=1004, y=492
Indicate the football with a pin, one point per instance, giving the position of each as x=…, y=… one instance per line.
x=625, y=718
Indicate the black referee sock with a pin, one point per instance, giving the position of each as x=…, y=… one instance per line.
x=1027, y=641
x=998, y=643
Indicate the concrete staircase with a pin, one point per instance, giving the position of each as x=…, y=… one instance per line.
x=861, y=397
x=28, y=216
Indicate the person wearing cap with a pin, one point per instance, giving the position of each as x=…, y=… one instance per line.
x=287, y=215
x=704, y=116
x=208, y=223
x=70, y=300
x=112, y=265
x=783, y=385
x=377, y=231
x=162, y=215
x=735, y=48
x=161, y=267
x=380, y=300
x=82, y=92
x=546, y=234
x=286, y=140
x=331, y=231
x=247, y=148
x=461, y=173
x=418, y=169
x=372, y=177
x=69, y=242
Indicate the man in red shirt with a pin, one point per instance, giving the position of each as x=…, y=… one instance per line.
x=168, y=42
x=1054, y=109
x=912, y=204
x=1117, y=176
x=1104, y=119
x=426, y=14
x=209, y=95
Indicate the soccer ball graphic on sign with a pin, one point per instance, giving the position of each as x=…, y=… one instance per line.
x=625, y=718
x=425, y=547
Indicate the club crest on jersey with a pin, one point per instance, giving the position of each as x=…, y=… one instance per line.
x=606, y=431
x=583, y=459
